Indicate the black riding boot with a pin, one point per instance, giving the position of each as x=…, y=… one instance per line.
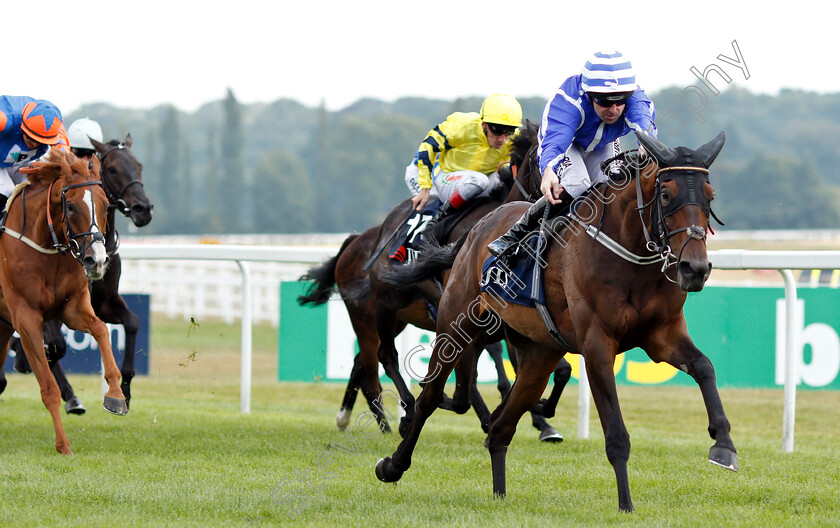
x=443, y=211
x=529, y=222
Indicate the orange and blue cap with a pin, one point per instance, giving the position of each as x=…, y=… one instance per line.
x=42, y=122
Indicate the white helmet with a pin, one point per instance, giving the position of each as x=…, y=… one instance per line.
x=82, y=131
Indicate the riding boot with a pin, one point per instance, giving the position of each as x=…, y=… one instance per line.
x=529, y=222
x=443, y=211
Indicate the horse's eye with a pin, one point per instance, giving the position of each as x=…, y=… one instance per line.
x=665, y=196
x=112, y=170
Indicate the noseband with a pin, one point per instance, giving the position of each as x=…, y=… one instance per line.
x=115, y=200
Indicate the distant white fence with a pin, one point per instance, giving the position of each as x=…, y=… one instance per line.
x=182, y=287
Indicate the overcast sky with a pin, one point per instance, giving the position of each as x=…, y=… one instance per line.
x=187, y=53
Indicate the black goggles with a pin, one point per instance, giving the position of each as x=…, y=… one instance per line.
x=607, y=100
x=501, y=130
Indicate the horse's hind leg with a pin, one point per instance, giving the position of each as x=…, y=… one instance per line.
x=547, y=407
x=495, y=350
x=388, y=328
x=534, y=369
x=391, y=469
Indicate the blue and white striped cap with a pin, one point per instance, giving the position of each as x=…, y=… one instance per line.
x=608, y=72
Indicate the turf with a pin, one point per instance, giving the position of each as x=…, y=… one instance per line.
x=186, y=456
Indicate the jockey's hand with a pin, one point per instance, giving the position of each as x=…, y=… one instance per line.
x=550, y=186
x=418, y=201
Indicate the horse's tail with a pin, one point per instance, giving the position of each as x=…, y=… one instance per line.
x=432, y=261
x=322, y=278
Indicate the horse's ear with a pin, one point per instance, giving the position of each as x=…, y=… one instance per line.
x=100, y=147
x=710, y=150
x=662, y=152
x=94, y=167
x=128, y=140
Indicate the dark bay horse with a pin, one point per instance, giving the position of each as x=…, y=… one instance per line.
x=378, y=313
x=52, y=244
x=616, y=276
x=122, y=179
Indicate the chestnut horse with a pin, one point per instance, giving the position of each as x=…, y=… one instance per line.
x=610, y=286
x=52, y=244
x=378, y=313
x=122, y=179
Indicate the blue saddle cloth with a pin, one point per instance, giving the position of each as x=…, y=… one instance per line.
x=515, y=282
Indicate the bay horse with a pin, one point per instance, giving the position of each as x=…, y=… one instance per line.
x=616, y=276
x=51, y=245
x=122, y=179
x=378, y=313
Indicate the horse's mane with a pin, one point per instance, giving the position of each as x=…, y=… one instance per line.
x=59, y=164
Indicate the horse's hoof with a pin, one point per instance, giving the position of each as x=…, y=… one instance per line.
x=723, y=457
x=21, y=364
x=386, y=472
x=342, y=419
x=115, y=406
x=550, y=434
x=74, y=406
x=384, y=427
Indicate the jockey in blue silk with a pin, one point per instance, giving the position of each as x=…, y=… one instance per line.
x=580, y=128
x=460, y=157
x=28, y=128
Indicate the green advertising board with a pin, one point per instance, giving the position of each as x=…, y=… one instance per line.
x=741, y=330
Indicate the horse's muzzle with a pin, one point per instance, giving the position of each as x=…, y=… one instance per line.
x=693, y=274
x=95, y=262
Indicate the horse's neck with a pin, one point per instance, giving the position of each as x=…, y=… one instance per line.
x=622, y=218
x=111, y=230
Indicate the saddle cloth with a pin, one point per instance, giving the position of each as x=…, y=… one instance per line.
x=404, y=246
x=515, y=281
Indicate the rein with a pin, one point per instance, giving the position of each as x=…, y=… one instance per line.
x=530, y=165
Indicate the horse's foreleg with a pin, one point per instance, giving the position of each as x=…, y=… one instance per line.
x=698, y=366
x=80, y=317
x=31, y=338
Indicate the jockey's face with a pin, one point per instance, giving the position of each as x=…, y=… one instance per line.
x=495, y=141
x=30, y=143
x=608, y=114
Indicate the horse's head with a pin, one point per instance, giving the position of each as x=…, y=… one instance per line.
x=123, y=180
x=523, y=161
x=682, y=208
x=76, y=208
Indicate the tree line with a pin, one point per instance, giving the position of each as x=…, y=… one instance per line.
x=282, y=167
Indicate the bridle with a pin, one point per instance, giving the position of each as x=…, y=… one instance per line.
x=690, y=182
x=115, y=200
x=530, y=162
x=73, y=246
